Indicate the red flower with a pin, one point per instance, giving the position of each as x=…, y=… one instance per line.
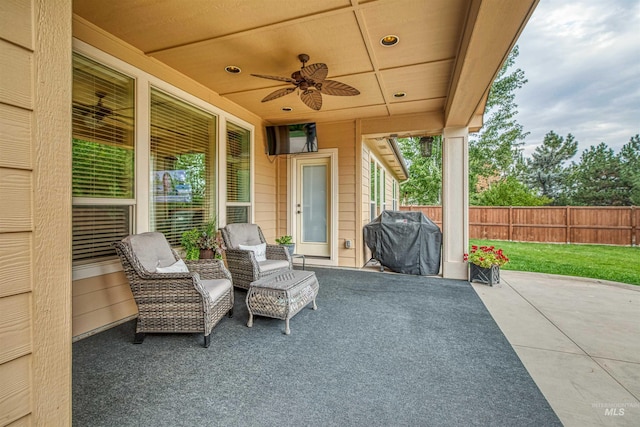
x=486, y=256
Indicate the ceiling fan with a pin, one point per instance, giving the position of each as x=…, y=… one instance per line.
x=311, y=83
x=94, y=114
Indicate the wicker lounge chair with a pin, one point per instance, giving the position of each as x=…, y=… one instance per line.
x=242, y=263
x=171, y=301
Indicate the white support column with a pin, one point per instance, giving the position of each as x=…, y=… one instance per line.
x=455, y=202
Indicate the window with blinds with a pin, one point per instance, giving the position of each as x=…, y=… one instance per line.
x=238, y=174
x=372, y=191
x=377, y=201
x=182, y=165
x=394, y=195
x=103, y=159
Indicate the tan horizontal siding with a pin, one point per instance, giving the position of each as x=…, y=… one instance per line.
x=93, y=301
x=15, y=259
x=99, y=301
x=15, y=22
x=16, y=392
x=16, y=211
x=15, y=137
x=97, y=319
x=15, y=192
x=26, y=421
x=15, y=327
x=16, y=64
x=94, y=284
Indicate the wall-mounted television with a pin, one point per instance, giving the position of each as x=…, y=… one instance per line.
x=292, y=139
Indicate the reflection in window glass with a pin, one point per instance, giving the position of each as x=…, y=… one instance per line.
x=238, y=174
x=103, y=159
x=182, y=172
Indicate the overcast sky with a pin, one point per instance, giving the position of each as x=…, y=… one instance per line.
x=582, y=62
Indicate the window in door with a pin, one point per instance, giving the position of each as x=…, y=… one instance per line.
x=103, y=150
x=183, y=141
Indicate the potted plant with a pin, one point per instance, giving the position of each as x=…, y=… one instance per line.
x=189, y=243
x=287, y=241
x=210, y=243
x=203, y=243
x=485, y=263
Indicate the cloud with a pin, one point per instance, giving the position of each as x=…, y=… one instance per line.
x=582, y=62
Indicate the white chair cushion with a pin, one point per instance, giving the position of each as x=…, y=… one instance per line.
x=259, y=250
x=243, y=234
x=177, y=267
x=273, y=264
x=216, y=287
x=151, y=249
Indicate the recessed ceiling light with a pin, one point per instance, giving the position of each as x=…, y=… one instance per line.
x=389, y=40
x=232, y=69
x=399, y=94
x=287, y=109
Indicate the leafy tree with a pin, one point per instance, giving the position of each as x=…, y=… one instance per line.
x=194, y=164
x=545, y=170
x=497, y=148
x=94, y=166
x=630, y=167
x=424, y=186
x=598, y=180
x=510, y=192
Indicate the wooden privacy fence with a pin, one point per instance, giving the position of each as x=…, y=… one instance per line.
x=551, y=224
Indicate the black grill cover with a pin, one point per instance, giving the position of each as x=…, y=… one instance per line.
x=405, y=242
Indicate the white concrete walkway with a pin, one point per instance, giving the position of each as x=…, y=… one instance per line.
x=578, y=338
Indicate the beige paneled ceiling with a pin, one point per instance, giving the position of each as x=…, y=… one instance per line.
x=438, y=44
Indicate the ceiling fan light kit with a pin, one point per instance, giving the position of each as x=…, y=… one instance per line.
x=311, y=84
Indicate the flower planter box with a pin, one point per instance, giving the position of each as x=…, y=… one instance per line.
x=490, y=275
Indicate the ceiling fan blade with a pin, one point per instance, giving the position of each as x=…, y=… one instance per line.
x=312, y=98
x=315, y=72
x=282, y=79
x=82, y=108
x=278, y=93
x=332, y=87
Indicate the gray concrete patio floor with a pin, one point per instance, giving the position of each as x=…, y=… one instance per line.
x=578, y=338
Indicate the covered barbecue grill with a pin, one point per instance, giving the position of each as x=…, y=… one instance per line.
x=405, y=242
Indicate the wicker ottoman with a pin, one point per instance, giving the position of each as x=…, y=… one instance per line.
x=282, y=295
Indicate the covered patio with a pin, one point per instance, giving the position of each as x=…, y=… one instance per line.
x=564, y=342
x=382, y=349
x=99, y=102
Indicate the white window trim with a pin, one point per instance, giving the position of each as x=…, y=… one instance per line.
x=381, y=192
x=222, y=168
x=143, y=83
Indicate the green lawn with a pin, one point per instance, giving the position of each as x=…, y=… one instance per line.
x=616, y=263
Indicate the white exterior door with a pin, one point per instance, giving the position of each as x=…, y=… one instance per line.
x=312, y=209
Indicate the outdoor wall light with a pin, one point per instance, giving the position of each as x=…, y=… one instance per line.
x=426, y=146
x=232, y=69
x=389, y=40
